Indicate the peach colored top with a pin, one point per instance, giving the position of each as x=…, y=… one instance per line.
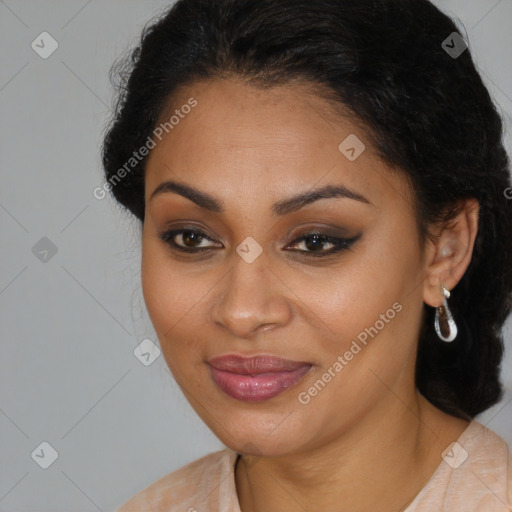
x=475, y=475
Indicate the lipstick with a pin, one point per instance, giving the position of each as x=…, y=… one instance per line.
x=257, y=378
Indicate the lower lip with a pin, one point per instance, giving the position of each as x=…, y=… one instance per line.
x=257, y=387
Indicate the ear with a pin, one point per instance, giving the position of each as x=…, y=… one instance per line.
x=448, y=257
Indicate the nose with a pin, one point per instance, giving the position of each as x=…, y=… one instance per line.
x=251, y=299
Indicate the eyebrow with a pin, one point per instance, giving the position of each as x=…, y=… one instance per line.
x=283, y=207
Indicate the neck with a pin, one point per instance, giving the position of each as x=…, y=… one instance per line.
x=380, y=463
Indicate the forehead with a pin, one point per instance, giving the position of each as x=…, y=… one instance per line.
x=240, y=140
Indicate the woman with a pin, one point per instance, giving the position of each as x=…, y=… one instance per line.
x=325, y=252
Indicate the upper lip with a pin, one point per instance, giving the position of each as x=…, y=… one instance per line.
x=244, y=365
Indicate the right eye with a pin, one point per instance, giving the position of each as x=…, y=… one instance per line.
x=189, y=240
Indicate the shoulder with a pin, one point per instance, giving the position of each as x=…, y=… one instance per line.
x=190, y=487
x=476, y=472
x=509, y=476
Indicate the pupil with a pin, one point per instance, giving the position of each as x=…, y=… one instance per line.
x=190, y=236
x=314, y=242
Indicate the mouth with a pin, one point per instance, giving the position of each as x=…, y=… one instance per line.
x=258, y=378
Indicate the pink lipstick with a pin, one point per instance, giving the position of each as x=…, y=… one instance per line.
x=258, y=378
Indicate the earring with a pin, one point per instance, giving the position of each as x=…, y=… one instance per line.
x=444, y=323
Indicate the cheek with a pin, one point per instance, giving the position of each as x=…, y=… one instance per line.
x=173, y=299
x=372, y=310
x=352, y=296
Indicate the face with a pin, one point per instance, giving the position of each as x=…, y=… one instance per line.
x=314, y=299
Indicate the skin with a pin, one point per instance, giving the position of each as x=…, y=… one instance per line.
x=368, y=440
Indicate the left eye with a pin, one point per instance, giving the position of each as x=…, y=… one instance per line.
x=313, y=242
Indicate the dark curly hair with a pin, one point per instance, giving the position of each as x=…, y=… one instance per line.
x=426, y=113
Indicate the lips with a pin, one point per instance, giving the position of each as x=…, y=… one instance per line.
x=258, y=378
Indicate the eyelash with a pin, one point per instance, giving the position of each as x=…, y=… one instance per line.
x=340, y=244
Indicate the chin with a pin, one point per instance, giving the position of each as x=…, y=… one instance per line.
x=259, y=433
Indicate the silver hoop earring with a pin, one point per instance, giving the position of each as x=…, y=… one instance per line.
x=445, y=325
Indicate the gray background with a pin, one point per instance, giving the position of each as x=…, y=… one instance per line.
x=69, y=325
